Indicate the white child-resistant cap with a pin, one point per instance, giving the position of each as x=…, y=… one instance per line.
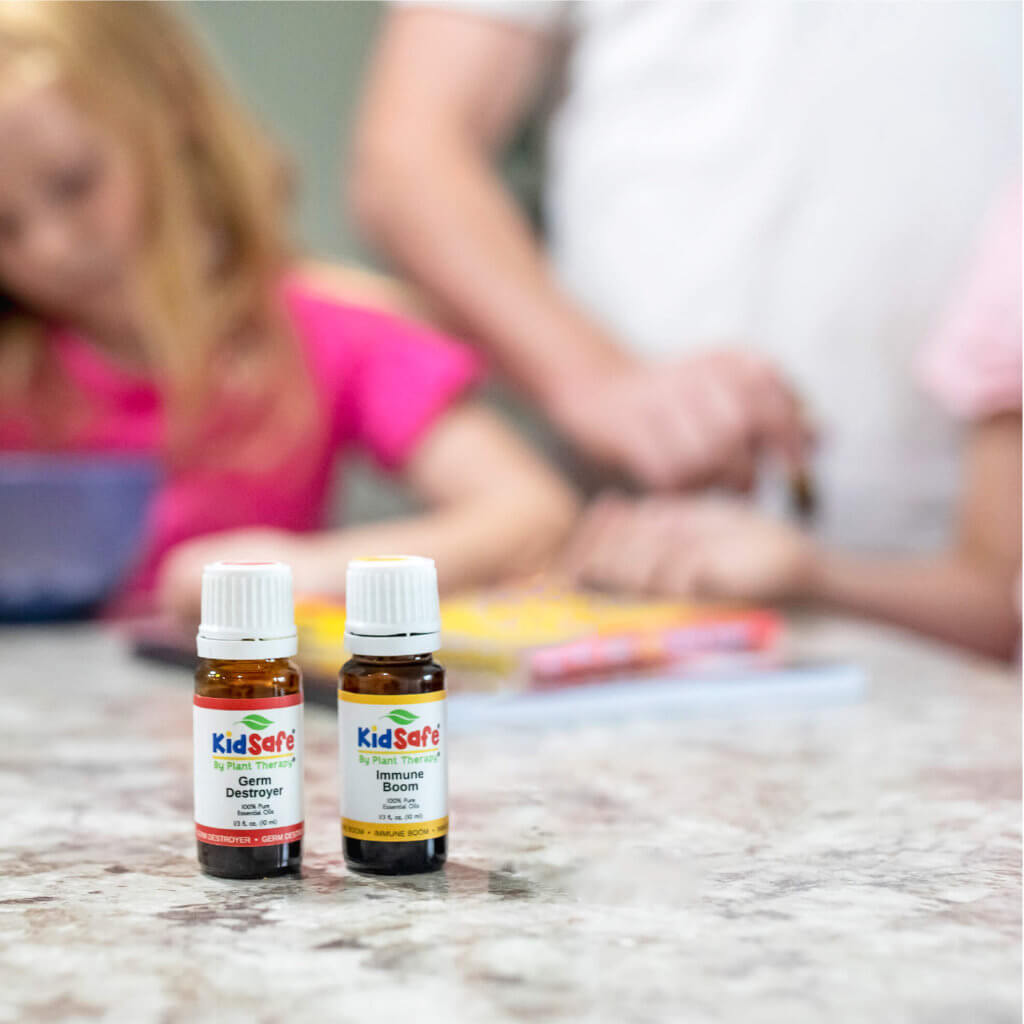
x=391, y=606
x=247, y=611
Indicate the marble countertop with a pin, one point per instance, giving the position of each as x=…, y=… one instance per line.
x=856, y=863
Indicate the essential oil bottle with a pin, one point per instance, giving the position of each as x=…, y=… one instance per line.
x=247, y=723
x=392, y=726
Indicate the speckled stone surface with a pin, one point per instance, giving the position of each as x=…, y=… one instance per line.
x=856, y=863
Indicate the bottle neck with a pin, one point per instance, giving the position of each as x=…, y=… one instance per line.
x=399, y=659
x=265, y=663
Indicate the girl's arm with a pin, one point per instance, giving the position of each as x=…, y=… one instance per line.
x=494, y=509
x=966, y=594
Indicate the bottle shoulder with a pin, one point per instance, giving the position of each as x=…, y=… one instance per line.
x=247, y=680
x=391, y=676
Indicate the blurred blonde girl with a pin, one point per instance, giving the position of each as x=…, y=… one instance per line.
x=150, y=303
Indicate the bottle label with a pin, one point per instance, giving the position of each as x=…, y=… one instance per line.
x=394, y=766
x=248, y=770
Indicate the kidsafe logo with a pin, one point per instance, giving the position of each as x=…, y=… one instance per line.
x=424, y=737
x=252, y=743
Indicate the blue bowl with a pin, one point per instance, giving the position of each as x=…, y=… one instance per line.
x=71, y=528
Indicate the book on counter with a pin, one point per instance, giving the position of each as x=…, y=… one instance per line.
x=516, y=656
x=534, y=637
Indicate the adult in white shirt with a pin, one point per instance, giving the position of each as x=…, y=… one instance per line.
x=735, y=196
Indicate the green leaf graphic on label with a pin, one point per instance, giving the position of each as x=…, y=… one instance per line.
x=400, y=716
x=255, y=721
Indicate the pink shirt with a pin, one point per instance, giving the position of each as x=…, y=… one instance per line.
x=379, y=382
x=973, y=364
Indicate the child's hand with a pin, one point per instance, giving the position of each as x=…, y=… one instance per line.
x=691, y=547
x=178, y=586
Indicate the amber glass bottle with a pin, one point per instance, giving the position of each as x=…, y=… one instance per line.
x=248, y=724
x=392, y=725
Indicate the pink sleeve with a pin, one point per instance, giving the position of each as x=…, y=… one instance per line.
x=973, y=364
x=405, y=377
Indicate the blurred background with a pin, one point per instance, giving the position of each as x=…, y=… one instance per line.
x=752, y=266
x=278, y=53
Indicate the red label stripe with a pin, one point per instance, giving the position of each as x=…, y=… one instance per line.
x=246, y=837
x=229, y=704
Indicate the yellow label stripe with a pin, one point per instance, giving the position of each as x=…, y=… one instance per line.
x=391, y=753
x=248, y=757
x=394, y=832
x=394, y=698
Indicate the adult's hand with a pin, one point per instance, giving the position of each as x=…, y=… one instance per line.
x=694, y=421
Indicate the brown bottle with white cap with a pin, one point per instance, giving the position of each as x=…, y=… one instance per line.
x=392, y=726
x=247, y=723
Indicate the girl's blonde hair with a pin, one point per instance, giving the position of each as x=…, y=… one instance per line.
x=212, y=180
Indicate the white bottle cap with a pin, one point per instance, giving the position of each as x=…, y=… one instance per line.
x=391, y=606
x=247, y=611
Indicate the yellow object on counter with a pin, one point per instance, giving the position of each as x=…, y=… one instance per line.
x=522, y=634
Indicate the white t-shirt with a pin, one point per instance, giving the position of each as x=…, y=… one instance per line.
x=806, y=179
